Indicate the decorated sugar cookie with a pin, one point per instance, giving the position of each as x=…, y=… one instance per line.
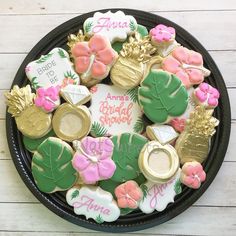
x=162, y=133
x=71, y=122
x=93, y=202
x=193, y=142
x=51, y=166
x=192, y=174
x=93, y=59
x=128, y=71
x=114, y=110
x=76, y=94
x=48, y=99
x=51, y=69
x=163, y=37
x=142, y=30
x=128, y=195
x=157, y=162
x=206, y=95
x=127, y=147
x=158, y=196
x=30, y=120
x=93, y=159
x=31, y=144
x=162, y=96
x=116, y=26
x=187, y=65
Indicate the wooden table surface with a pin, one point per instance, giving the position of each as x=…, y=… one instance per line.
x=23, y=23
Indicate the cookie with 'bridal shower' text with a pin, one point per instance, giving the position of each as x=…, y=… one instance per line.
x=114, y=111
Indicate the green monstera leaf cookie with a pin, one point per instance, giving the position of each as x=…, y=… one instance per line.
x=51, y=166
x=126, y=151
x=162, y=95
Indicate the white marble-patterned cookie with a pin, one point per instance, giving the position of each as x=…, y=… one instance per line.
x=52, y=69
x=116, y=26
x=114, y=111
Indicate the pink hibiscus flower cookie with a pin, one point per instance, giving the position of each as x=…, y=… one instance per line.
x=206, y=95
x=128, y=195
x=192, y=174
x=186, y=65
x=162, y=33
x=93, y=59
x=93, y=159
x=48, y=99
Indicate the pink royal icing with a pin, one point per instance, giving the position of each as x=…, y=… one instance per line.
x=94, y=58
x=186, y=65
x=178, y=124
x=48, y=98
x=128, y=195
x=93, y=159
x=162, y=33
x=192, y=174
x=207, y=95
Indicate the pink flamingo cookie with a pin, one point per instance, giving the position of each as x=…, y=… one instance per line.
x=186, y=65
x=192, y=174
x=128, y=194
x=93, y=59
x=162, y=33
x=93, y=159
x=206, y=95
x=48, y=99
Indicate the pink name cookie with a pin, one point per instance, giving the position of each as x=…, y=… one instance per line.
x=186, y=65
x=206, y=95
x=47, y=99
x=93, y=159
x=93, y=59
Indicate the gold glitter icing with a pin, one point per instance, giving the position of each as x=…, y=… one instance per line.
x=128, y=70
x=30, y=120
x=193, y=143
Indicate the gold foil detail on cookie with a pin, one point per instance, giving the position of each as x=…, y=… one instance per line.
x=193, y=143
x=128, y=70
x=71, y=122
x=30, y=120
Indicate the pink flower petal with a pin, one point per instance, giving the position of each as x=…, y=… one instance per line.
x=122, y=202
x=171, y=64
x=39, y=101
x=48, y=106
x=181, y=54
x=204, y=87
x=202, y=176
x=98, y=43
x=90, y=175
x=136, y=194
x=196, y=183
x=120, y=191
x=99, y=70
x=80, y=162
x=195, y=76
x=212, y=102
x=202, y=97
x=195, y=58
x=131, y=203
x=82, y=64
x=81, y=49
x=40, y=92
x=106, y=56
x=106, y=168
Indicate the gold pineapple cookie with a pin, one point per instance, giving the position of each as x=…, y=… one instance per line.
x=72, y=120
x=32, y=121
x=129, y=69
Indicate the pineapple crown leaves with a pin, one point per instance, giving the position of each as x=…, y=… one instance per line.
x=75, y=38
x=138, y=48
x=201, y=122
x=18, y=99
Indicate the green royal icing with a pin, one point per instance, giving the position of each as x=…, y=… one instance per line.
x=117, y=46
x=32, y=144
x=51, y=166
x=126, y=151
x=162, y=95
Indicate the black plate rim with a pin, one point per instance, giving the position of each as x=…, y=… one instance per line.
x=16, y=148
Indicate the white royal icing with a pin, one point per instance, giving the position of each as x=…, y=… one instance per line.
x=75, y=94
x=116, y=26
x=93, y=202
x=114, y=109
x=51, y=69
x=158, y=196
